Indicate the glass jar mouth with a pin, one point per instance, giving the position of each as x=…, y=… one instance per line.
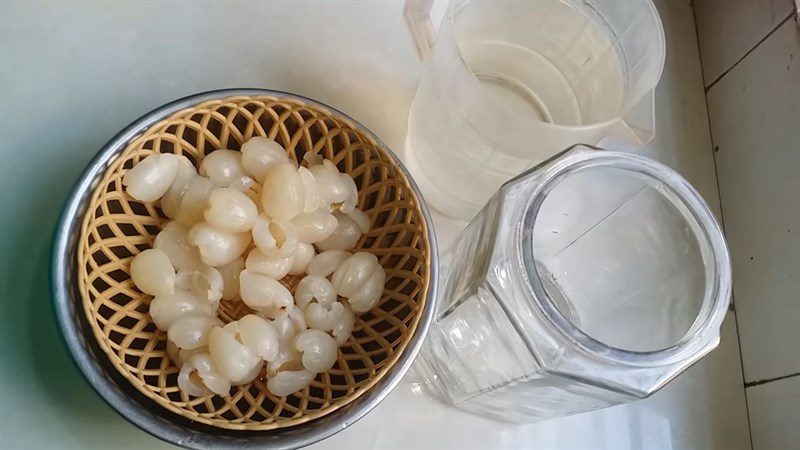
x=708, y=234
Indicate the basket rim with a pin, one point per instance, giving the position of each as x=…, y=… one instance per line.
x=89, y=308
x=118, y=362
x=68, y=308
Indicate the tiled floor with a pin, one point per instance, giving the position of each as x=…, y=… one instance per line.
x=728, y=29
x=754, y=123
x=775, y=414
x=750, y=52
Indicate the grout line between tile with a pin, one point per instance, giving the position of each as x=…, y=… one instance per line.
x=699, y=50
x=769, y=380
x=714, y=150
x=792, y=13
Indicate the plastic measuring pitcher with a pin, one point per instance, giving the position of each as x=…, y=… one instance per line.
x=509, y=84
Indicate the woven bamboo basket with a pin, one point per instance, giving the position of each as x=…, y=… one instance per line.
x=116, y=227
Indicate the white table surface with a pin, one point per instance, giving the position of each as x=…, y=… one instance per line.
x=73, y=74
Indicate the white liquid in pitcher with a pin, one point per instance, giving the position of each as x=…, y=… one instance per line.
x=527, y=65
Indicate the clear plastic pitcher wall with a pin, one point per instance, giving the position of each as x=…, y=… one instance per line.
x=588, y=281
x=509, y=84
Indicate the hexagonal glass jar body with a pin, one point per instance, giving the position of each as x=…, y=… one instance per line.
x=591, y=280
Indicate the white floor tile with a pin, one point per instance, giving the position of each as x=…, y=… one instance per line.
x=730, y=28
x=775, y=414
x=754, y=112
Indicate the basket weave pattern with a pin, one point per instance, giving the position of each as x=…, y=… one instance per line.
x=116, y=227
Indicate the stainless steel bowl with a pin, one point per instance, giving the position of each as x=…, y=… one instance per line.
x=129, y=402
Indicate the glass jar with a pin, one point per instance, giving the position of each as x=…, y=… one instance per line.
x=590, y=280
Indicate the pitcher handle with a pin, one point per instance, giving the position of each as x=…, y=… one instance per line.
x=640, y=119
x=635, y=129
x=417, y=15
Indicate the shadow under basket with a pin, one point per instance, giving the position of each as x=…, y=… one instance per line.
x=115, y=228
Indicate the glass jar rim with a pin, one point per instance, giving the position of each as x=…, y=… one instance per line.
x=709, y=236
